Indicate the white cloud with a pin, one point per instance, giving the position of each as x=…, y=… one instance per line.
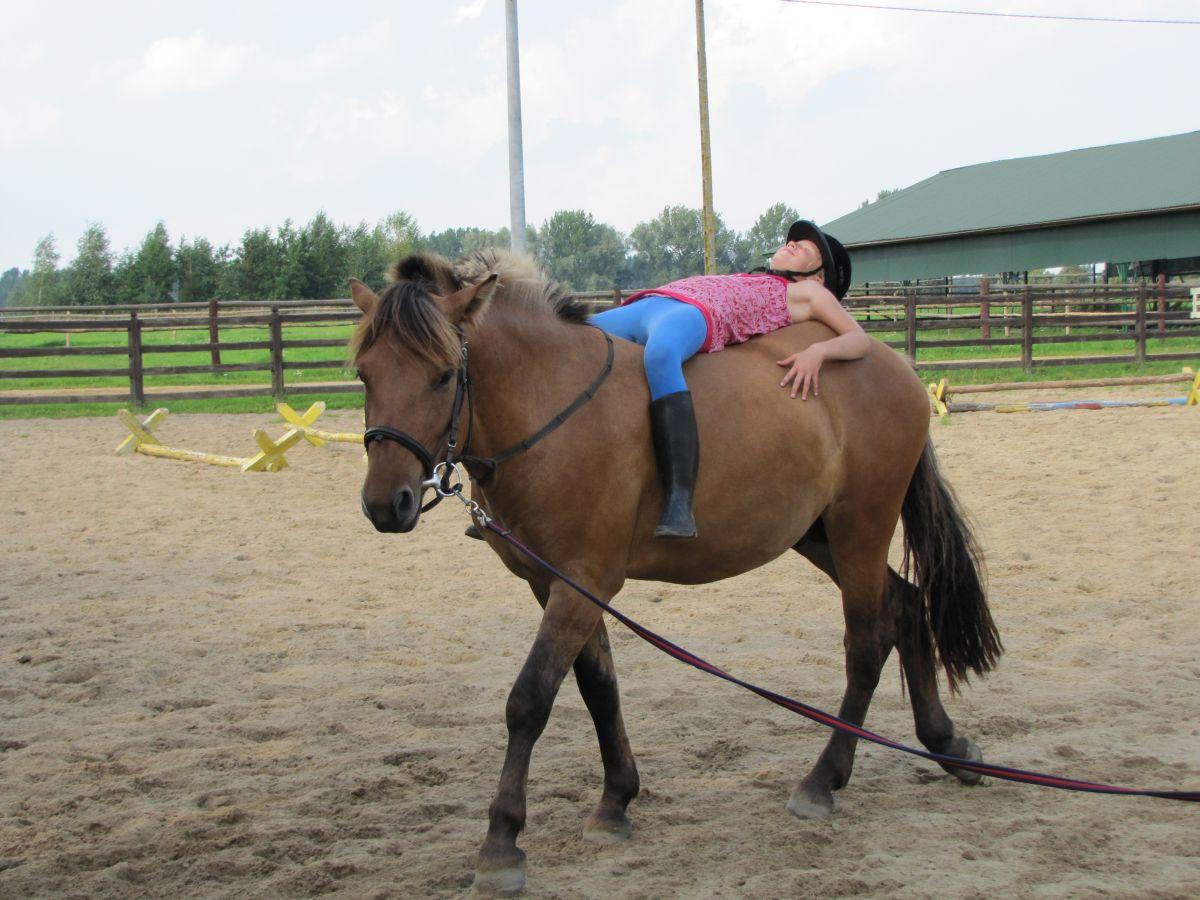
x=26, y=123
x=16, y=57
x=469, y=11
x=191, y=63
x=333, y=55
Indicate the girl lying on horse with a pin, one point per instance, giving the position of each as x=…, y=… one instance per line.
x=806, y=278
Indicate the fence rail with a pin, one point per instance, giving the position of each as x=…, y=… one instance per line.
x=1012, y=320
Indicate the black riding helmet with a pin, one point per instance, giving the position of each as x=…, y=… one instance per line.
x=834, y=258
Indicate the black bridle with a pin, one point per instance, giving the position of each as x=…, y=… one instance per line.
x=439, y=475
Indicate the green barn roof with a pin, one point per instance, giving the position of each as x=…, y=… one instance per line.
x=1122, y=202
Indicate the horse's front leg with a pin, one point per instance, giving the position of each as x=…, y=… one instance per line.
x=597, y=679
x=568, y=622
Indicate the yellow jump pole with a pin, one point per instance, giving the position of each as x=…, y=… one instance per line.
x=306, y=423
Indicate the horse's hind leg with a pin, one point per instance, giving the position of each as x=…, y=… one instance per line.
x=934, y=728
x=597, y=680
x=857, y=561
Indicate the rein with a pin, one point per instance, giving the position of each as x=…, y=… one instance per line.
x=438, y=475
x=1006, y=773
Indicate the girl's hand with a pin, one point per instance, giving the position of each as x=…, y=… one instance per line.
x=804, y=371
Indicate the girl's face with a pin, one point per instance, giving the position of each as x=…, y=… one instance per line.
x=798, y=256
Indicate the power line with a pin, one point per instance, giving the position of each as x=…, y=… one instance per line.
x=996, y=15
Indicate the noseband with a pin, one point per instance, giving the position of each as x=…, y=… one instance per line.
x=438, y=475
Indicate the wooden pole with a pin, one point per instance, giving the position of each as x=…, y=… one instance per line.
x=910, y=324
x=276, y=354
x=710, y=229
x=1027, y=331
x=1162, y=305
x=214, y=335
x=985, y=308
x=137, y=387
x=1139, y=332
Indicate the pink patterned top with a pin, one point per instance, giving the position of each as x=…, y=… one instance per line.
x=736, y=307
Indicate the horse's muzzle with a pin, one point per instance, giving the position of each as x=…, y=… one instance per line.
x=399, y=516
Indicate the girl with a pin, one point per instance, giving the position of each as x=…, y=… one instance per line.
x=807, y=277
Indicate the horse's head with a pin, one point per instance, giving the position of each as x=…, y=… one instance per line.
x=407, y=351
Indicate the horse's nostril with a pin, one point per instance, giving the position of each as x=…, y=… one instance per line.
x=402, y=503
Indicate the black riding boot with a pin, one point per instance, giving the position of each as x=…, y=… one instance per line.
x=677, y=450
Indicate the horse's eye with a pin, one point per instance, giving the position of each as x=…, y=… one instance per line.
x=444, y=378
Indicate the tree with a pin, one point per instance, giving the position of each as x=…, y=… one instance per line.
x=90, y=282
x=671, y=246
x=766, y=235
x=256, y=264
x=199, y=269
x=8, y=284
x=882, y=195
x=45, y=278
x=582, y=253
x=454, y=242
x=149, y=275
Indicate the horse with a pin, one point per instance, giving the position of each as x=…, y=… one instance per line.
x=827, y=477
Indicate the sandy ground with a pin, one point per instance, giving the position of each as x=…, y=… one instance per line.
x=225, y=685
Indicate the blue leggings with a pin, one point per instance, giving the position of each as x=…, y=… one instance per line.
x=671, y=331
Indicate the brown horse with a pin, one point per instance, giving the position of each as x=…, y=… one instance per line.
x=827, y=477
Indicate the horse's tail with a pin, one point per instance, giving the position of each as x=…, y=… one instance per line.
x=943, y=560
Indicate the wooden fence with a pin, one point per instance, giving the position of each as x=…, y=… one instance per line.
x=1008, y=323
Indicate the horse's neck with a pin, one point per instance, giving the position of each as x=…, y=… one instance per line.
x=525, y=368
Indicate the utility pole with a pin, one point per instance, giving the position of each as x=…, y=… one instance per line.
x=516, y=162
x=710, y=228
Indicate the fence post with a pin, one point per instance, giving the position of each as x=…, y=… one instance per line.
x=276, y=354
x=910, y=324
x=137, y=387
x=985, y=308
x=1139, y=333
x=616, y=297
x=1027, y=331
x=214, y=335
x=1162, y=305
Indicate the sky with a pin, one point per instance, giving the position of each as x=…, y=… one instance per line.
x=219, y=116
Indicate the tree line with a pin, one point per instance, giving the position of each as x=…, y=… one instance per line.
x=315, y=260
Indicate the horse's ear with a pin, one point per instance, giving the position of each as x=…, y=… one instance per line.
x=467, y=304
x=364, y=298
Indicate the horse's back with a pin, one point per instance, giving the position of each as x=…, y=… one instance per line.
x=771, y=465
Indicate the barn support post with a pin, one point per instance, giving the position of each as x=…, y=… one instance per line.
x=276, y=354
x=137, y=386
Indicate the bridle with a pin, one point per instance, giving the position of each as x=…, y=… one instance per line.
x=440, y=476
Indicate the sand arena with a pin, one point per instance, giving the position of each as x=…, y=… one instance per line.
x=216, y=685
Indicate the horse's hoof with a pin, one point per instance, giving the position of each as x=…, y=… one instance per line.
x=607, y=830
x=803, y=805
x=502, y=877
x=964, y=748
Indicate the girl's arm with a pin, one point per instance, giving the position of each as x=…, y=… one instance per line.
x=811, y=300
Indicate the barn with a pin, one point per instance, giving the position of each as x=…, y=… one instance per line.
x=1134, y=205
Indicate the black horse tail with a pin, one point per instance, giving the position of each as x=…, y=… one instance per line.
x=943, y=560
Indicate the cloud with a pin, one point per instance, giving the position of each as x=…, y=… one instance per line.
x=333, y=55
x=469, y=11
x=16, y=57
x=191, y=63
x=26, y=123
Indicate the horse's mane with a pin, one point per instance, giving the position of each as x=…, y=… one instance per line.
x=408, y=315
